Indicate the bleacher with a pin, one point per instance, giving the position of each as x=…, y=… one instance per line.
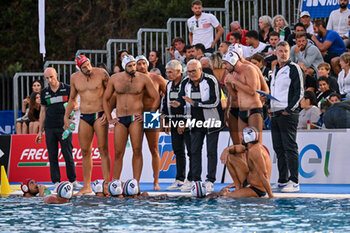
x=245, y=11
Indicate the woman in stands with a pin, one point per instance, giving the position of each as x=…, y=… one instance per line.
x=22, y=123
x=344, y=76
x=118, y=66
x=280, y=25
x=265, y=27
x=324, y=90
x=310, y=113
x=34, y=113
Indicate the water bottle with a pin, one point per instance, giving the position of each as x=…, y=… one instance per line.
x=308, y=125
x=68, y=131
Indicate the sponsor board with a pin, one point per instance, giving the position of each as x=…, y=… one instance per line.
x=5, y=142
x=320, y=8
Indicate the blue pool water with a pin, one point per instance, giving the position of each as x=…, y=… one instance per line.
x=182, y=214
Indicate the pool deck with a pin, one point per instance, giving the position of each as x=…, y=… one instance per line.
x=325, y=191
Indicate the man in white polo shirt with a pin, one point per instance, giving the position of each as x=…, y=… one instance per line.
x=201, y=26
x=338, y=20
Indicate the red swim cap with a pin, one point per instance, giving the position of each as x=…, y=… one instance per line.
x=80, y=60
x=25, y=185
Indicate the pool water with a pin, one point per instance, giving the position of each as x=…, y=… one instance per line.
x=182, y=214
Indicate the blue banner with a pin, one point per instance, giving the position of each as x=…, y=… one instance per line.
x=7, y=125
x=320, y=8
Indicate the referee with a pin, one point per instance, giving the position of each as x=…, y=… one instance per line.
x=288, y=87
x=52, y=112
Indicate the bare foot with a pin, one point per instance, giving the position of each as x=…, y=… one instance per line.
x=84, y=190
x=230, y=186
x=156, y=187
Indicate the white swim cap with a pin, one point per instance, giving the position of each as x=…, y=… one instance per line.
x=115, y=188
x=250, y=134
x=126, y=60
x=97, y=186
x=65, y=190
x=236, y=48
x=198, y=189
x=141, y=57
x=131, y=187
x=231, y=57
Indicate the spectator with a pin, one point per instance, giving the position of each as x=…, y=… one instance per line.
x=203, y=105
x=218, y=68
x=298, y=28
x=118, y=65
x=334, y=98
x=22, y=123
x=154, y=62
x=324, y=107
x=176, y=50
x=155, y=71
x=103, y=66
x=338, y=116
x=286, y=86
x=280, y=25
x=258, y=60
x=234, y=38
x=189, y=53
x=338, y=20
x=265, y=27
x=344, y=76
x=206, y=65
x=308, y=58
x=310, y=112
x=201, y=28
x=223, y=48
x=269, y=52
x=329, y=43
x=267, y=121
x=323, y=70
x=34, y=113
x=254, y=45
x=324, y=90
x=235, y=27
x=199, y=51
x=305, y=19
x=178, y=138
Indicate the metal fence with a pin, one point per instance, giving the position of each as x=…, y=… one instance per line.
x=152, y=39
x=114, y=45
x=22, y=88
x=64, y=69
x=95, y=56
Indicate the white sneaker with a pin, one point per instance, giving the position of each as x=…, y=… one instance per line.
x=55, y=186
x=209, y=186
x=76, y=185
x=278, y=186
x=290, y=187
x=176, y=185
x=187, y=186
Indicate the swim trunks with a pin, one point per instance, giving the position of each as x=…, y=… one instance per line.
x=244, y=115
x=234, y=112
x=126, y=120
x=257, y=191
x=90, y=118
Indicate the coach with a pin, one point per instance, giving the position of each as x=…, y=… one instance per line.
x=287, y=86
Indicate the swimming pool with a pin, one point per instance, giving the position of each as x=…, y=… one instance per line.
x=90, y=214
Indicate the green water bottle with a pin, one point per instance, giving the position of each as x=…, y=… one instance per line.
x=68, y=131
x=282, y=34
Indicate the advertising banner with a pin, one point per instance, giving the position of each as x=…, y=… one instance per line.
x=7, y=125
x=320, y=8
x=5, y=142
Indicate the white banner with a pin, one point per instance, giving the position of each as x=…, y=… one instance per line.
x=323, y=154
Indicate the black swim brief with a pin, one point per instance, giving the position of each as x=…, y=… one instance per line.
x=90, y=118
x=244, y=115
x=257, y=191
x=234, y=112
x=126, y=120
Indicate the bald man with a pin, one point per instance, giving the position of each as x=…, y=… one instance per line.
x=53, y=97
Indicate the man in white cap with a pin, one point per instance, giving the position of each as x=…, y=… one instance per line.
x=305, y=19
x=152, y=135
x=130, y=87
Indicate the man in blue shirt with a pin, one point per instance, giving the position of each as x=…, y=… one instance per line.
x=329, y=43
